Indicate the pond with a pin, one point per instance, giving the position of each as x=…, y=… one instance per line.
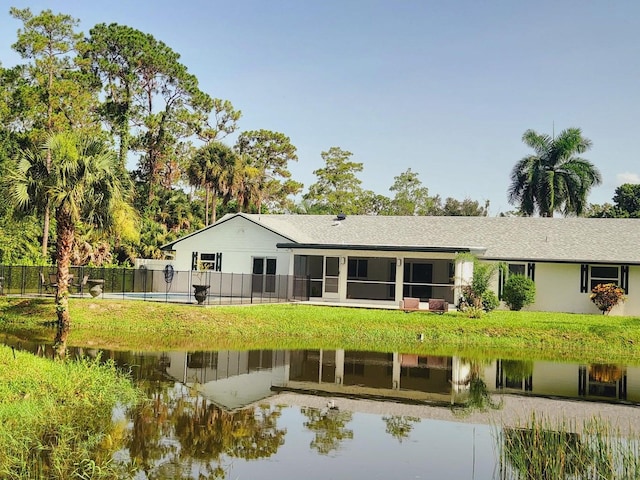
x=348, y=414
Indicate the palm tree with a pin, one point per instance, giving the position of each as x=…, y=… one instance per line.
x=210, y=168
x=554, y=178
x=82, y=184
x=242, y=183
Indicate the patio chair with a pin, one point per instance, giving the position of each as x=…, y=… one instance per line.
x=49, y=286
x=80, y=286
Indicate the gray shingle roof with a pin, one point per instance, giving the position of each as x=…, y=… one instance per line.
x=587, y=240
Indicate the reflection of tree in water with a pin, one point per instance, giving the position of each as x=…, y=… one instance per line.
x=177, y=432
x=399, y=426
x=206, y=431
x=329, y=427
x=477, y=396
x=150, y=424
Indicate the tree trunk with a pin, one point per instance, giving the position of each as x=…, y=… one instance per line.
x=45, y=230
x=123, y=128
x=47, y=214
x=60, y=342
x=65, y=231
x=206, y=206
x=214, y=207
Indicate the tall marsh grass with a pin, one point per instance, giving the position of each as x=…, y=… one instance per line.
x=545, y=449
x=56, y=417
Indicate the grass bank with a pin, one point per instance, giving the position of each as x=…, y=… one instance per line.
x=56, y=417
x=151, y=326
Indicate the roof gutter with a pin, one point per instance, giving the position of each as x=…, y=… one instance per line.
x=381, y=248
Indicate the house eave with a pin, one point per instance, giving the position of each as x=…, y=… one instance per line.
x=574, y=261
x=380, y=248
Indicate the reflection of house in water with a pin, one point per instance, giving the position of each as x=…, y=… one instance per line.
x=234, y=379
x=370, y=374
x=593, y=382
x=231, y=379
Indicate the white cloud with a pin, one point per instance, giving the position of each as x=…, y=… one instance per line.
x=627, y=177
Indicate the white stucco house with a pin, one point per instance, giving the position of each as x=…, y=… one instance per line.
x=383, y=259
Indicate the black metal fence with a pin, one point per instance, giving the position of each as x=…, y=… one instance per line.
x=164, y=285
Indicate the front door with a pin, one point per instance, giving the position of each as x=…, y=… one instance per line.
x=331, y=277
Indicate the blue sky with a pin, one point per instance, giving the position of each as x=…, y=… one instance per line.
x=444, y=88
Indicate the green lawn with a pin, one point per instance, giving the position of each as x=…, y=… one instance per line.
x=151, y=326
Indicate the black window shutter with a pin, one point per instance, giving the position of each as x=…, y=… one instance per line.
x=624, y=278
x=218, y=262
x=194, y=260
x=584, y=278
x=531, y=271
x=500, y=283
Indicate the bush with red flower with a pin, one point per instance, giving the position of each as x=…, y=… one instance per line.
x=606, y=296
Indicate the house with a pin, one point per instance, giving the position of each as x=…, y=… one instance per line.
x=383, y=259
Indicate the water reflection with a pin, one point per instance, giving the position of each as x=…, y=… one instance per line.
x=221, y=413
x=178, y=431
x=476, y=393
x=234, y=379
x=400, y=426
x=329, y=427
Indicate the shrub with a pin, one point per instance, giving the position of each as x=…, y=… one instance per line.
x=490, y=301
x=468, y=301
x=606, y=296
x=519, y=291
x=473, y=312
x=476, y=297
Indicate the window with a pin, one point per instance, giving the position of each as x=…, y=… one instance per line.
x=211, y=261
x=368, y=278
x=516, y=269
x=603, y=274
x=417, y=277
x=592, y=275
x=358, y=268
x=528, y=269
x=264, y=275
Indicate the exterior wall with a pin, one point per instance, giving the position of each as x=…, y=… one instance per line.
x=632, y=305
x=558, y=290
x=238, y=240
